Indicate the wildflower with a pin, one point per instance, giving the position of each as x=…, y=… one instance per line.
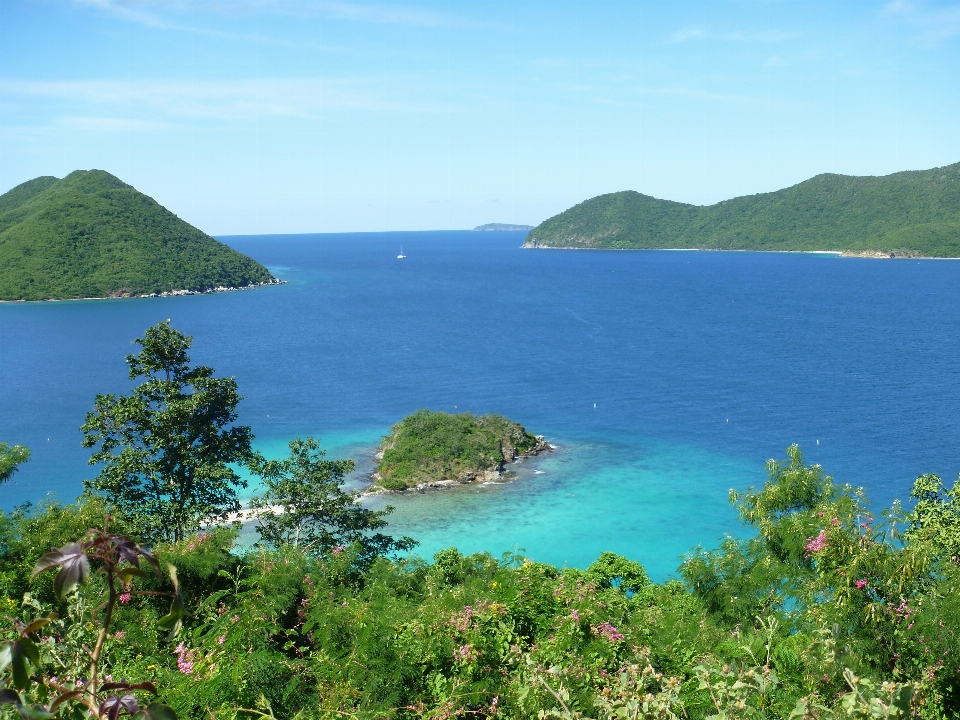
x=861, y=584
x=235, y=618
x=609, y=632
x=575, y=616
x=221, y=640
x=337, y=549
x=124, y=598
x=184, y=659
x=815, y=545
x=119, y=635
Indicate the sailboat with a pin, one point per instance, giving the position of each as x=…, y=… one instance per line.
x=401, y=256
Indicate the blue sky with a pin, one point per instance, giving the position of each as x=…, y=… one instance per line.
x=287, y=116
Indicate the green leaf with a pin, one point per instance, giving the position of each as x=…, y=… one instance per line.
x=66, y=697
x=28, y=712
x=156, y=711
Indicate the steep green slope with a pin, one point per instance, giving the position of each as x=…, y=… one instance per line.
x=907, y=213
x=91, y=235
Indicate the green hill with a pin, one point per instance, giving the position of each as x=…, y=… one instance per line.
x=91, y=235
x=431, y=447
x=905, y=214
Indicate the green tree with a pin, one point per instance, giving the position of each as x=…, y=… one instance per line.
x=304, y=505
x=166, y=449
x=10, y=459
x=936, y=516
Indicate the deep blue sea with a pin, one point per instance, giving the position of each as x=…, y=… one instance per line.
x=664, y=378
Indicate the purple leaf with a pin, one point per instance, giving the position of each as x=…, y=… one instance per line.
x=74, y=567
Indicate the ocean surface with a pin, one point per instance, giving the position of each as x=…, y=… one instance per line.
x=663, y=378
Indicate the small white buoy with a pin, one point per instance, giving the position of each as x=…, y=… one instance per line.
x=728, y=419
x=594, y=406
x=818, y=442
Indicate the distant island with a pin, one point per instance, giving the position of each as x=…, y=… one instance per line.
x=501, y=226
x=907, y=214
x=91, y=235
x=437, y=448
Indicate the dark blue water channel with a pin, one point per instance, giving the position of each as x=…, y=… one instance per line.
x=665, y=378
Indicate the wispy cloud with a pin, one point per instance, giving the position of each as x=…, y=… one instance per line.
x=237, y=101
x=390, y=15
x=115, y=125
x=155, y=13
x=933, y=23
x=766, y=36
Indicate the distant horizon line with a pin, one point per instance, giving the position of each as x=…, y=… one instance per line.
x=363, y=232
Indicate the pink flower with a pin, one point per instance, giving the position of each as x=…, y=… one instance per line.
x=337, y=549
x=861, y=584
x=464, y=652
x=119, y=634
x=574, y=615
x=235, y=618
x=815, y=545
x=609, y=632
x=184, y=659
x=124, y=598
x=222, y=639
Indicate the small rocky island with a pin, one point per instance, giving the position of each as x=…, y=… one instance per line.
x=435, y=449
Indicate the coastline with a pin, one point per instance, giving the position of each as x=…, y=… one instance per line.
x=166, y=293
x=862, y=254
x=483, y=477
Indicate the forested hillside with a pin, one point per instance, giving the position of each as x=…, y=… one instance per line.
x=91, y=235
x=904, y=214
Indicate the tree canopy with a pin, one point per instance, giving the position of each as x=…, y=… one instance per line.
x=304, y=505
x=10, y=459
x=167, y=448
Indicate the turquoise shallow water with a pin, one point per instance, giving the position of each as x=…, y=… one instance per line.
x=665, y=378
x=637, y=498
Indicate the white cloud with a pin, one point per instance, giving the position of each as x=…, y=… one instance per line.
x=151, y=13
x=934, y=23
x=115, y=125
x=766, y=36
x=238, y=100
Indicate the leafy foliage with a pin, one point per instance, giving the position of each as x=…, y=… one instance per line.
x=429, y=446
x=166, y=449
x=905, y=214
x=46, y=682
x=91, y=235
x=825, y=613
x=305, y=506
x=10, y=459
